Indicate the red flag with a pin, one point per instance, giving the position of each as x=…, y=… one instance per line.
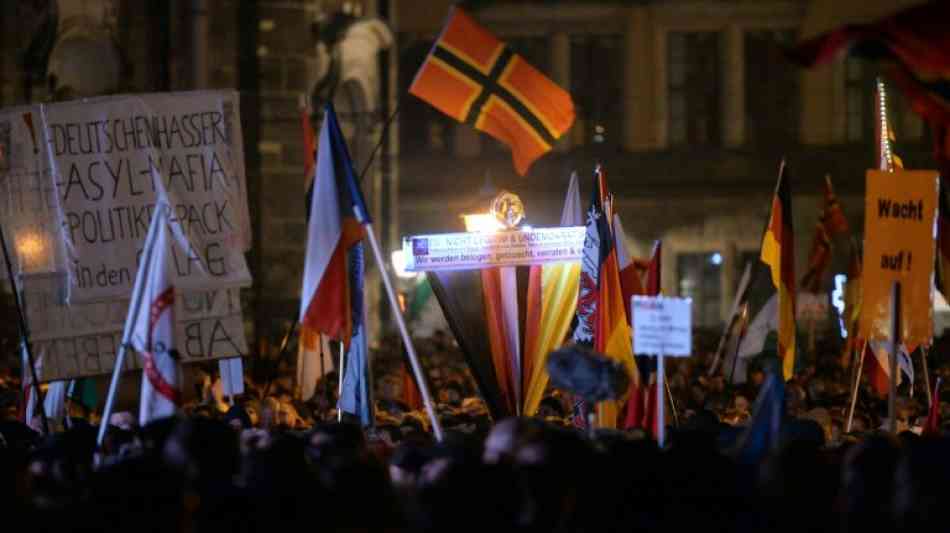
x=831, y=222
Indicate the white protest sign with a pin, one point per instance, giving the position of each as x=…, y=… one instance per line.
x=82, y=339
x=662, y=326
x=28, y=202
x=113, y=157
x=469, y=251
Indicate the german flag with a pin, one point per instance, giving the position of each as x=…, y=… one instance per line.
x=778, y=252
x=474, y=78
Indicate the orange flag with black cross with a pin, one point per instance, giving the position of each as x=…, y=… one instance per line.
x=477, y=79
x=778, y=252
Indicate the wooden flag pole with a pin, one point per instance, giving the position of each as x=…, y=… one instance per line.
x=401, y=324
x=856, y=382
x=892, y=359
x=923, y=361
x=24, y=334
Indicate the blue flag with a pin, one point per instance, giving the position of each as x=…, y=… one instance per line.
x=764, y=429
x=356, y=397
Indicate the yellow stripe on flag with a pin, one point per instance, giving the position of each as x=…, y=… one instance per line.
x=559, y=285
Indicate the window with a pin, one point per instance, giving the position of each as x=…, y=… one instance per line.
x=693, y=71
x=699, y=278
x=772, y=108
x=597, y=87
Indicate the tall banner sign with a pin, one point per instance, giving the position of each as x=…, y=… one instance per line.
x=899, y=246
x=78, y=183
x=112, y=157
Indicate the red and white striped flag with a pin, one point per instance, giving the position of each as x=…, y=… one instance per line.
x=150, y=325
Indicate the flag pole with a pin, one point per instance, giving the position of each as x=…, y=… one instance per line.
x=895, y=343
x=923, y=361
x=401, y=323
x=24, y=333
x=854, y=388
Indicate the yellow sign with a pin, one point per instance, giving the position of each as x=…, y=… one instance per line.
x=899, y=213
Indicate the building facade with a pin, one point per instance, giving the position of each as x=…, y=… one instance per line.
x=689, y=105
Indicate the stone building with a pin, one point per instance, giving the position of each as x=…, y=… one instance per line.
x=688, y=104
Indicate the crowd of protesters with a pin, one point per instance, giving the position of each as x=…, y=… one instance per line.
x=271, y=461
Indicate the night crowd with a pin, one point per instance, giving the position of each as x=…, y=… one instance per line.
x=270, y=462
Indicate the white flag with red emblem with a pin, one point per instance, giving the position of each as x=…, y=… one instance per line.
x=150, y=325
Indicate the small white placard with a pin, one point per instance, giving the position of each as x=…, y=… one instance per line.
x=470, y=251
x=662, y=326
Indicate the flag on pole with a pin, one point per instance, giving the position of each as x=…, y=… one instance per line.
x=314, y=357
x=778, y=252
x=877, y=366
x=831, y=222
x=332, y=231
x=474, y=78
x=601, y=315
x=551, y=302
x=331, y=303
x=150, y=325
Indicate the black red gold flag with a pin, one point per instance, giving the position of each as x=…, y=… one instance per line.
x=778, y=252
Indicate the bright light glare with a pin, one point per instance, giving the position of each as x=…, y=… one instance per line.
x=716, y=258
x=398, y=259
x=837, y=300
x=482, y=223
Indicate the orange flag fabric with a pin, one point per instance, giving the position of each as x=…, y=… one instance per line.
x=477, y=79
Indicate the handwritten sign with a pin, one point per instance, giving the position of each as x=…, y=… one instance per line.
x=662, y=326
x=28, y=203
x=899, y=246
x=112, y=158
x=469, y=251
x=82, y=339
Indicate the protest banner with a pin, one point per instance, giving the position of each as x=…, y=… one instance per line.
x=28, y=203
x=111, y=158
x=899, y=246
x=82, y=339
x=469, y=251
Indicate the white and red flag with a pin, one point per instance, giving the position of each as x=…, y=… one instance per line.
x=335, y=226
x=150, y=325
